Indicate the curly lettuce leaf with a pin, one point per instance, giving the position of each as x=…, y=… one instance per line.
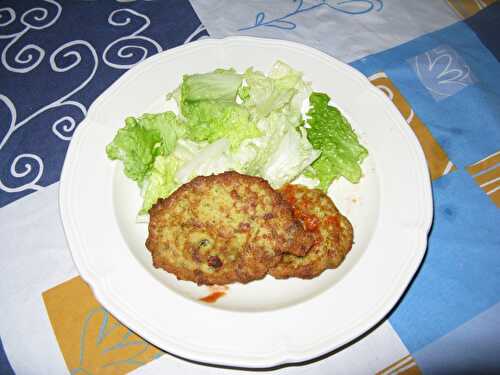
x=283, y=88
x=211, y=120
x=141, y=140
x=280, y=155
x=220, y=85
x=293, y=154
x=166, y=125
x=136, y=148
x=331, y=133
x=208, y=108
x=209, y=159
x=160, y=181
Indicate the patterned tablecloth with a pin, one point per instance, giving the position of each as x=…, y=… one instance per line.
x=437, y=60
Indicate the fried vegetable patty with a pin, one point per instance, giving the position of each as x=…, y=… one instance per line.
x=224, y=228
x=332, y=232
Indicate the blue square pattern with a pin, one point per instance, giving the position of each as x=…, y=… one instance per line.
x=457, y=95
x=460, y=275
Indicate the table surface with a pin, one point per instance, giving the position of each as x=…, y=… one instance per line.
x=438, y=61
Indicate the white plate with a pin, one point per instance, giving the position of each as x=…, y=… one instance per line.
x=267, y=322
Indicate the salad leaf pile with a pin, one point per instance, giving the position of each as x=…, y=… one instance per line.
x=251, y=123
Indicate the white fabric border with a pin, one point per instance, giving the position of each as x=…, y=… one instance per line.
x=344, y=36
x=34, y=258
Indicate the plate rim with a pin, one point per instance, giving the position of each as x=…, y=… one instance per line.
x=104, y=294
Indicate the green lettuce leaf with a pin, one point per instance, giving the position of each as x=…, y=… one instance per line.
x=220, y=85
x=136, y=148
x=208, y=108
x=283, y=88
x=331, y=133
x=280, y=155
x=208, y=159
x=167, y=125
x=160, y=181
x=292, y=156
x=142, y=140
x=211, y=120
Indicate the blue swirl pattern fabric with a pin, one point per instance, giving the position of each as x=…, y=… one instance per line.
x=56, y=58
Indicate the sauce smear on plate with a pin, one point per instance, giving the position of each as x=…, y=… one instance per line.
x=214, y=296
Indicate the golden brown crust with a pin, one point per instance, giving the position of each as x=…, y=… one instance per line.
x=332, y=231
x=223, y=228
